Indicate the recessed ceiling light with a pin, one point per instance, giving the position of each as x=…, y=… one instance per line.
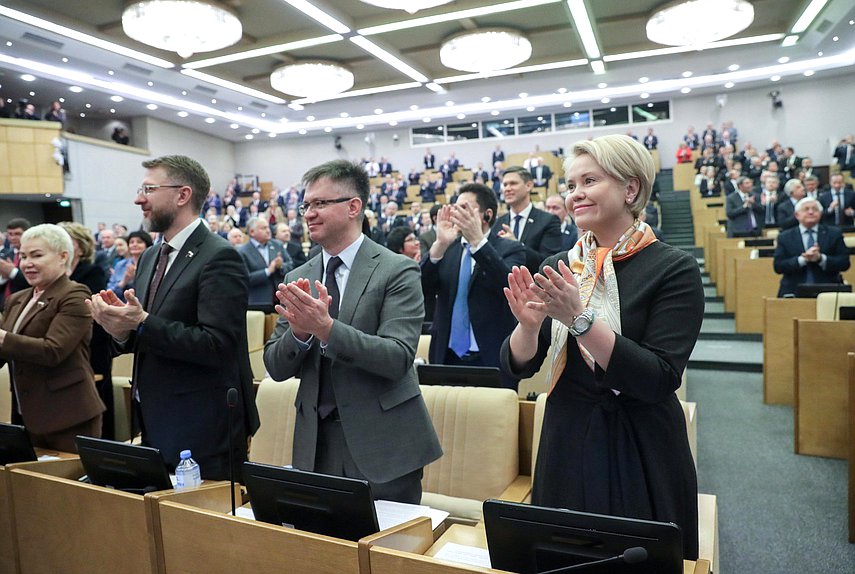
x=88, y=106
x=248, y=136
x=685, y=90
x=644, y=95
x=183, y=114
x=210, y=120
x=378, y=111
x=9, y=44
x=606, y=100
x=302, y=132
x=733, y=67
x=562, y=90
x=567, y=104
x=234, y=126
x=474, y=125
x=809, y=73
x=426, y=120
x=65, y=60
x=310, y=118
x=506, y=122
x=82, y=115
x=112, y=110
x=643, y=80
x=852, y=22
x=328, y=129
x=112, y=73
x=75, y=89
x=255, y=130
x=835, y=38
x=540, y=118
x=263, y=114
x=485, y=99
x=271, y=135
x=150, y=84
x=775, y=78
x=687, y=74
x=152, y=107
x=344, y=115
x=461, y=116
x=32, y=94
x=61, y=101
x=117, y=99
x=530, y=109
x=393, y=123
x=650, y=104
x=523, y=95
x=494, y=113
x=819, y=54
x=783, y=60
x=28, y=77
x=449, y=103
x=213, y=100
x=602, y=85
x=729, y=85
x=414, y=107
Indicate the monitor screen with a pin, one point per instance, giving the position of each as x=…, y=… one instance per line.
x=847, y=313
x=530, y=539
x=15, y=445
x=323, y=504
x=811, y=290
x=127, y=467
x=761, y=242
x=459, y=376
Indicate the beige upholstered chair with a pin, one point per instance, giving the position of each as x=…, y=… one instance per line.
x=274, y=440
x=5, y=396
x=123, y=365
x=255, y=343
x=423, y=350
x=828, y=305
x=121, y=414
x=479, y=432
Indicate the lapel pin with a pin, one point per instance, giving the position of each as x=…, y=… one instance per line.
x=530, y=220
x=190, y=255
x=40, y=303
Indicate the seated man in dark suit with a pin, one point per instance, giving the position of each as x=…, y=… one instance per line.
x=785, y=212
x=466, y=270
x=743, y=209
x=838, y=203
x=538, y=231
x=810, y=252
x=266, y=261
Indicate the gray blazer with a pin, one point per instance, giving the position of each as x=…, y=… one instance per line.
x=372, y=347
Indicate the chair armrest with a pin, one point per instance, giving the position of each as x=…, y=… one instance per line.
x=518, y=490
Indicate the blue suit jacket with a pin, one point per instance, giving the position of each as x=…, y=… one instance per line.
x=790, y=246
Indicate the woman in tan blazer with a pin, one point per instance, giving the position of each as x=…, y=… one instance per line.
x=44, y=336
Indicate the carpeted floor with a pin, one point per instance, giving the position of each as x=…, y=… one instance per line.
x=778, y=512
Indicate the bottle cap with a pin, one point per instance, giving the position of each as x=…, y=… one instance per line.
x=185, y=454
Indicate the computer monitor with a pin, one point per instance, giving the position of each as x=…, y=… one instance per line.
x=15, y=445
x=459, y=376
x=329, y=505
x=126, y=467
x=755, y=233
x=531, y=539
x=847, y=313
x=760, y=242
x=811, y=290
x=766, y=252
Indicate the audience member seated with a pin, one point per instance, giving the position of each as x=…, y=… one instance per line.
x=236, y=237
x=838, y=203
x=811, y=252
x=124, y=270
x=403, y=240
x=743, y=209
x=709, y=185
x=785, y=211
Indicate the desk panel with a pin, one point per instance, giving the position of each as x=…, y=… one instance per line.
x=778, y=346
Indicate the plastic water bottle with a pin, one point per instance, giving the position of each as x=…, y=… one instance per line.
x=187, y=473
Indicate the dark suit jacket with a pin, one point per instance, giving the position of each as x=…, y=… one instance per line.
x=295, y=250
x=737, y=215
x=49, y=357
x=262, y=286
x=489, y=312
x=429, y=161
x=790, y=246
x=828, y=217
x=191, y=349
x=569, y=236
x=497, y=156
x=426, y=239
x=546, y=175
x=541, y=236
x=372, y=346
x=651, y=142
x=19, y=282
x=785, y=214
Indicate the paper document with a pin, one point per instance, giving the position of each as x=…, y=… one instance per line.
x=470, y=555
x=391, y=513
x=244, y=512
x=46, y=457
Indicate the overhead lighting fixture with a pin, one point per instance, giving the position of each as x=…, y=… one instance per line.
x=248, y=136
x=808, y=73
x=388, y=58
x=606, y=100
x=411, y=6
x=677, y=24
x=687, y=74
x=790, y=40
x=319, y=16
x=75, y=89
x=310, y=118
x=183, y=114
x=729, y=85
x=733, y=67
x=783, y=60
x=234, y=86
x=644, y=95
x=602, y=85
x=530, y=109
x=775, y=78
x=81, y=37
x=485, y=50
x=28, y=77
x=685, y=90
x=183, y=26
x=582, y=22
x=643, y=80
x=696, y=48
x=259, y=52
x=598, y=67
x=312, y=79
x=152, y=107
x=806, y=19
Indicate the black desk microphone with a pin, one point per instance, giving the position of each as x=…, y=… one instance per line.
x=232, y=400
x=634, y=555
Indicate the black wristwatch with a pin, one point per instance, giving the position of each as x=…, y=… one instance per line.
x=582, y=323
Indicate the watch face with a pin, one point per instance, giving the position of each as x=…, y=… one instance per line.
x=580, y=323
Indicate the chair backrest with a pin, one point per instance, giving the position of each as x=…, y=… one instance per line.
x=254, y=330
x=849, y=240
x=829, y=304
x=479, y=432
x=274, y=440
x=123, y=365
x=5, y=395
x=539, y=407
x=423, y=350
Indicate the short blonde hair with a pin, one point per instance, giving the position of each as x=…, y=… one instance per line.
x=622, y=158
x=81, y=235
x=56, y=238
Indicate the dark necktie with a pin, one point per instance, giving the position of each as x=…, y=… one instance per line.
x=159, y=272
x=326, y=392
x=808, y=268
x=460, y=341
x=517, y=219
x=838, y=212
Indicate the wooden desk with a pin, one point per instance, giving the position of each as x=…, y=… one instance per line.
x=731, y=255
x=721, y=244
x=778, y=347
x=755, y=280
x=684, y=177
x=851, y=357
x=822, y=387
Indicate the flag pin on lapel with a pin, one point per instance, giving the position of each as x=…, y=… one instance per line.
x=190, y=255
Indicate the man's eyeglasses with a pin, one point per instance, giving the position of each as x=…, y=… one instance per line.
x=319, y=204
x=148, y=189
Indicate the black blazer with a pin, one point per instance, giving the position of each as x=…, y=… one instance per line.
x=785, y=214
x=828, y=217
x=790, y=246
x=295, y=250
x=191, y=349
x=489, y=312
x=19, y=282
x=541, y=236
x=737, y=215
x=262, y=286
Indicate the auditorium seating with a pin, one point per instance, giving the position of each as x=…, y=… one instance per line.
x=478, y=429
x=273, y=442
x=255, y=343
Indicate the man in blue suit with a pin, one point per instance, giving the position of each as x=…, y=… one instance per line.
x=810, y=252
x=466, y=270
x=267, y=261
